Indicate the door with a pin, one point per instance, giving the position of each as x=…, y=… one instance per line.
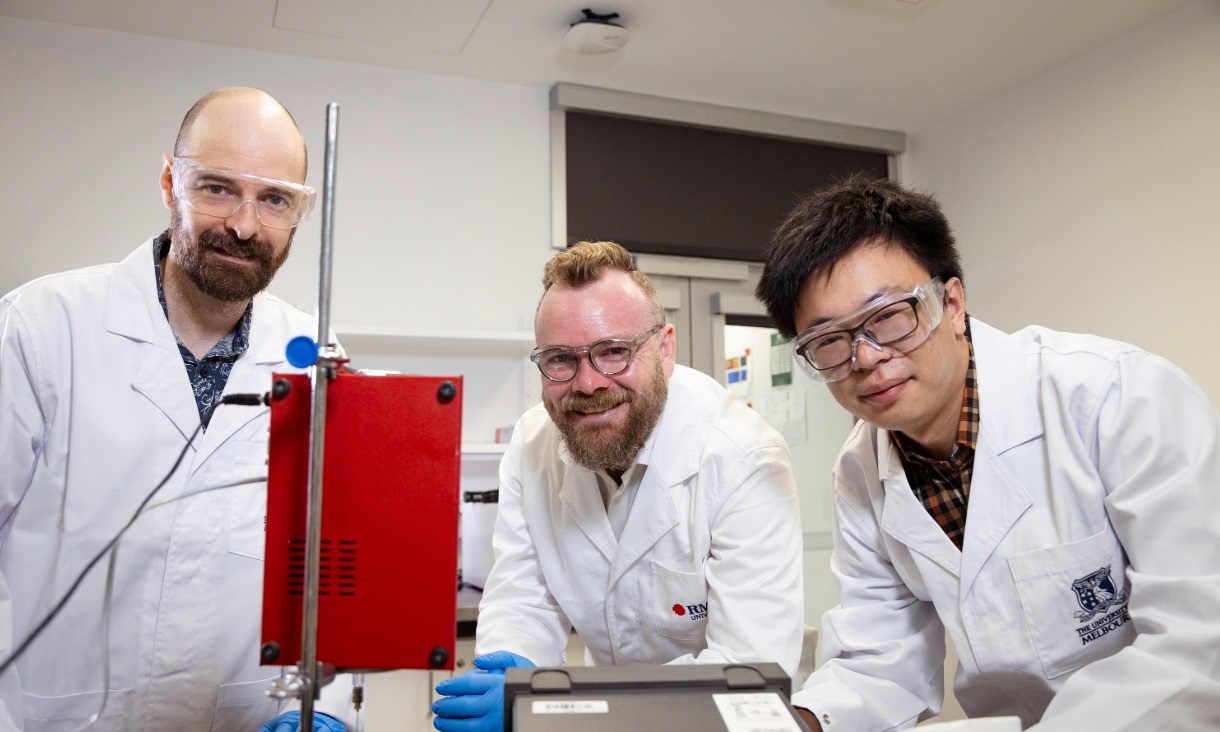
x=723, y=331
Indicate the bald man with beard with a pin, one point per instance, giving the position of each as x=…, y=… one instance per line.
x=107, y=375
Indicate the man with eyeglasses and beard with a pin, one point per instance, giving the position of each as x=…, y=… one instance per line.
x=1049, y=499
x=641, y=504
x=106, y=375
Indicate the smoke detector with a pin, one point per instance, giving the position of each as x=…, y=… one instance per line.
x=595, y=33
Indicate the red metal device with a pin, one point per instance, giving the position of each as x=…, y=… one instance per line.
x=390, y=470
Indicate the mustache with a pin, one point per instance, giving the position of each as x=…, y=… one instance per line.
x=592, y=403
x=227, y=243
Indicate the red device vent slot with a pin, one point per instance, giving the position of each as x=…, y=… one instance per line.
x=337, y=568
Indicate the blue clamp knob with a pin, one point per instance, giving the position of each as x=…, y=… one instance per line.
x=302, y=352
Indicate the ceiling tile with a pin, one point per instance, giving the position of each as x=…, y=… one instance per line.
x=429, y=25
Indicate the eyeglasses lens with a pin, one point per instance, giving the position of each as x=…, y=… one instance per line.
x=887, y=326
x=610, y=357
x=221, y=195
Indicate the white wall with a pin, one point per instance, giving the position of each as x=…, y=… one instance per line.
x=442, y=212
x=1087, y=200
x=442, y=204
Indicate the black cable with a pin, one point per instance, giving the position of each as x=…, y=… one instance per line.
x=245, y=400
x=250, y=399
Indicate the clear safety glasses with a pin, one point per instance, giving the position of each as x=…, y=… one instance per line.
x=609, y=357
x=898, y=322
x=221, y=193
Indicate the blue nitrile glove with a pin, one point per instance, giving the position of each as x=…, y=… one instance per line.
x=291, y=722
x=474, y=701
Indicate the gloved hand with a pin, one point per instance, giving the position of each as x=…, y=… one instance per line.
x=475, y=700
x=291, y=722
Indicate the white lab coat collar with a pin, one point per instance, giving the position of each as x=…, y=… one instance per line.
x=133, y=311
x=997, y=499
x=608, y=487
x=653, y=513
x=999, y=363
x=248, y=377
x=671, y=437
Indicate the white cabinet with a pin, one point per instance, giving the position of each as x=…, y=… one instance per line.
x=499, y=383
x=401, y=701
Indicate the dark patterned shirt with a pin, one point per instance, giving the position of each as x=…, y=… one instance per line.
x=943, y=486
x=209, y=374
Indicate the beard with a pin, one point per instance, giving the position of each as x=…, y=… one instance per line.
x=604, y=447
x=220, y=279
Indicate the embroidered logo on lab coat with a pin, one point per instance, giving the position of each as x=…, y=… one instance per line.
x=696, y=612
x=1096, y=594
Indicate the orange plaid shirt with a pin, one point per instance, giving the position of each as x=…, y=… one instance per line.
x=943, y=486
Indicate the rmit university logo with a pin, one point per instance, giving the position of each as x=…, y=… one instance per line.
x=1096, y=593
x=695, y=612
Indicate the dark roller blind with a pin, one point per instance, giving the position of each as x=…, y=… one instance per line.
x=663, y=188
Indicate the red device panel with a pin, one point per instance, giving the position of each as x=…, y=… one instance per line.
x=390, y=470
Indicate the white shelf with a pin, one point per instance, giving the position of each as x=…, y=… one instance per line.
x=488, y=360
x=489, y=342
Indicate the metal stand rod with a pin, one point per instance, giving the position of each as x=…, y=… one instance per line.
x=320, y=375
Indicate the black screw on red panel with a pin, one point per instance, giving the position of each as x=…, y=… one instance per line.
x=439, y=657
x=280, y=389
x=270, y=652
x=446, y=392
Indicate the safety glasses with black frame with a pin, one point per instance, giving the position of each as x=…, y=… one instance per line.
x=898, y=322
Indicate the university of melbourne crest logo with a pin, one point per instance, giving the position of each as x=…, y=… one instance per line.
x=1096, y=593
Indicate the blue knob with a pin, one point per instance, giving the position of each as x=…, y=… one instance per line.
x=302, y=352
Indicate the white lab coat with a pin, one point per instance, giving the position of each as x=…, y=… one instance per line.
x=95, y=406
x=1092, y=457
x=714, y=530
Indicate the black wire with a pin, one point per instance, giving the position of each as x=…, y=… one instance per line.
x=25, y=644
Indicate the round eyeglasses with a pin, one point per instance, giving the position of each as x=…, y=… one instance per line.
x=609, y=357
x=221, y=193
x=900, y=323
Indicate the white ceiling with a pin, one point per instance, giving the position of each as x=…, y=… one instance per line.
x=892, y=64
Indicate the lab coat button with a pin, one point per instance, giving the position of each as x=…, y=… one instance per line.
x=825, y=719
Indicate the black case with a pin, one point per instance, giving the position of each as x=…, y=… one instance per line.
x=637, y=698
